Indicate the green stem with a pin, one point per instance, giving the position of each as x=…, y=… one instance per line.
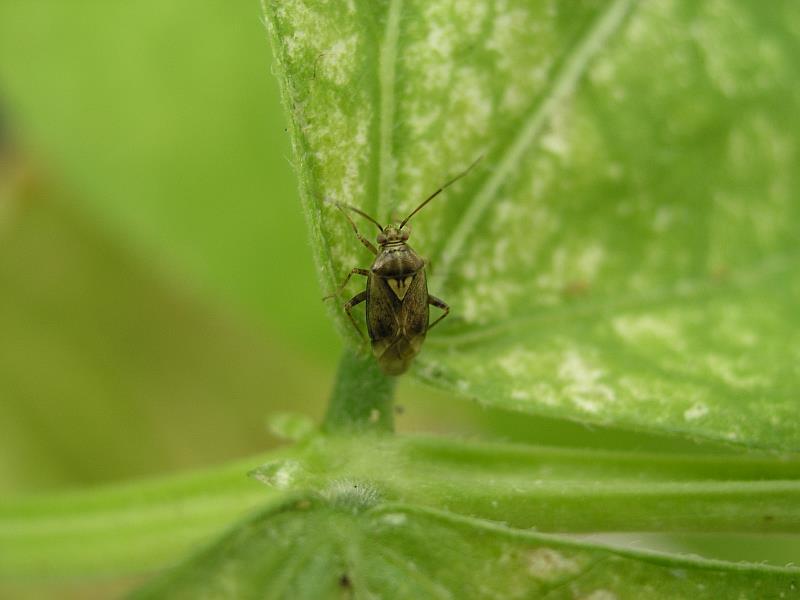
x=362, y=397
x=125, y=528
x=565, y=490
x=143, y=525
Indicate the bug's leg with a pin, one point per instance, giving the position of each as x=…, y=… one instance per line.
x=356, y=271
x=360, y=237
x=348, y=307
x=434, y=301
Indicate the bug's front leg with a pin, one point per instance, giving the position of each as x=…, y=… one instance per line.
x=348, y=307
x=355, y=271
x=434, y=301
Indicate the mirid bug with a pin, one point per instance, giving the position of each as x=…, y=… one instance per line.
x=397, y=298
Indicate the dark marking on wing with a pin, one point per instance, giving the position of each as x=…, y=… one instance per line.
x=397, y=327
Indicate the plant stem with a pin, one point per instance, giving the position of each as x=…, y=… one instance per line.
x=139, y=526
x=362, y=397
x=124, y=528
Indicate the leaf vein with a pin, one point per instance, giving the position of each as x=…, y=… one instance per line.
x=564, y=83
x=386, y=76
x=697, y=291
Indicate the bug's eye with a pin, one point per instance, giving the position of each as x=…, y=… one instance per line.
x=381, y=238
x=404, y=235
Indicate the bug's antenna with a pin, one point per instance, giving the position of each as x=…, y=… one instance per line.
x=342, y=206
x=440, y=190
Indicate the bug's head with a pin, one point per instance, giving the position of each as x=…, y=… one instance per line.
x=392, y=234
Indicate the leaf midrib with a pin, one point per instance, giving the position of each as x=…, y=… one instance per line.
x=562, y=86
x=387, y=68
x=649, y=556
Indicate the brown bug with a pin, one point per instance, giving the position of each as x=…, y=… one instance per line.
x=397, y=292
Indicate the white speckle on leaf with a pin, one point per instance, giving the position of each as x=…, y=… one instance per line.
x=583, y=381
x=422, y=118
x=470, y=310
x=553, y=142
x=337, y=62
x=581, y=378
x=547, y=564
x=568, y=265
x=430, y=369
x=600, y=595
x=586, y=405
x=643, y=330
x=395, y=519
x=469, y=96
x=540, y=391
x=472, y=15
x=720, y=36
x=506, y=212
x=545, y=394
x=525, y=67
x=696, y=411
x=439, y=41
x=733, y=372
x=515, y=363
x=590, y=260
x=638, y=28
x=557, y=138
x=518, y=394
x=485, y=301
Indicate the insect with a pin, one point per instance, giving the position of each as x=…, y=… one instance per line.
x=396, y=296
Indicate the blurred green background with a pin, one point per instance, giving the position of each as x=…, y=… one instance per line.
x=157, y=295
x=158, y=299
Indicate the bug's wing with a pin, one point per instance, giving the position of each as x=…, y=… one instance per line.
x=383, y=309
x=414, y=313
x=397, y=328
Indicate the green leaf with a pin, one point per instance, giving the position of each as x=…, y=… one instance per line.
x=348, y=544
x=626, y=253
x=139, y=526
